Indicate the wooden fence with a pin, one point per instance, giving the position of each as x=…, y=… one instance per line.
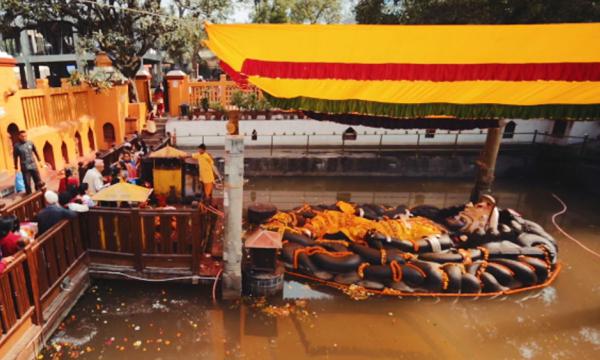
x=27, y=207
x=16, y=302
x=55, y=253
x=32, y=280
x=32, y=287
x=148, y=239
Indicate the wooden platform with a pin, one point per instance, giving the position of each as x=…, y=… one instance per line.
x=46, y=279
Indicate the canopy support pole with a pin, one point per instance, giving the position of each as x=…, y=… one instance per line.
x=487, y=162
x=232, y=202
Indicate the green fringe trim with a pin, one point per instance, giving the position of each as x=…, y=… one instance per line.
x=463, y=111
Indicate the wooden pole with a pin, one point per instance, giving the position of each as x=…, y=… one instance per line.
x=487, y=162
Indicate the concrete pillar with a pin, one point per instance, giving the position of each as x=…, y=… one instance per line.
x=487, y=162
x=232, y=201
x=178, y=91
x=142, y=84
x=26, y=50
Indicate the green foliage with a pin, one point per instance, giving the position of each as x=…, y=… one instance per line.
x=316, y=11
x=204, y=104
x=476, y=11
x=126, y=36
x=98, y=79
x=216, y=106
x=183, y=43
x=297, y=11
x=250, y=101
x=271, y=11
x=238, y=99
x=213, y=10
x=264, y=104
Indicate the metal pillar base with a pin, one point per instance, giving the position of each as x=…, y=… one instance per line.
x=232, y=201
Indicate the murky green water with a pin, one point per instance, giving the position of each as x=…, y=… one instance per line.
x=125, y=320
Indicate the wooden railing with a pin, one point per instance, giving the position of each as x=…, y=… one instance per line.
x=27, y=207
x=54, y=254
x=215, y=91
x=45, y=278
x=32, y=280
x=16, y=305
x=142, y=239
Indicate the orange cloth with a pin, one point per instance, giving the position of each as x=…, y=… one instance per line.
x=205, y=166
x=208, y=188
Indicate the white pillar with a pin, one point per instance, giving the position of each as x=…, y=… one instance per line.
x=232, y=201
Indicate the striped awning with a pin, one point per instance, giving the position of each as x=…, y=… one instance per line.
x=403, y=71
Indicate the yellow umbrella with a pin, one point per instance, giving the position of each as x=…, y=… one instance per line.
x=168, y=152
x=123, y=192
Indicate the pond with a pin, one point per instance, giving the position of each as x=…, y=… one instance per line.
x=126, y=320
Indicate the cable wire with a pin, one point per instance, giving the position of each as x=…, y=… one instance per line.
x=191, y=277
x=564, y=210
x=214, y=289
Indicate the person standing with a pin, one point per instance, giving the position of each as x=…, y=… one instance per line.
x=208, y=170
x=24, y=151
x=93, y=177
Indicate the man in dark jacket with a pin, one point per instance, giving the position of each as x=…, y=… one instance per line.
x=52, y=214
x=24, y=150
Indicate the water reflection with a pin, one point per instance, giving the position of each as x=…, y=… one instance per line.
x=120, y=320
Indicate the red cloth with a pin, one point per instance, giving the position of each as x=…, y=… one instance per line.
x=9, y=244
x=416, y=72
x=65, y=183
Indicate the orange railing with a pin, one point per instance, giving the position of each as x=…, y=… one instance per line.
x=215, y=91
x=33, y=110
x=50, y=106
x=81, y=103
x=61, y=106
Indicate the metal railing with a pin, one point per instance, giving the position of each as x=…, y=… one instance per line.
x=388, y=141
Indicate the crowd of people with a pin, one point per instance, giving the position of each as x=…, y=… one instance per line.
x=77, y=187
x=74, y=193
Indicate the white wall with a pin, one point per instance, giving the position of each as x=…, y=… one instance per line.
x=295, y=133
x=583, y=128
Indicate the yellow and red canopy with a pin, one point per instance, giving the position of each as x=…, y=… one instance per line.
x=467, y=71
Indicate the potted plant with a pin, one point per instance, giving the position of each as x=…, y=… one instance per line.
x=252, y=104
x=265, y=107
x=218, y=109
x=204, y=104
